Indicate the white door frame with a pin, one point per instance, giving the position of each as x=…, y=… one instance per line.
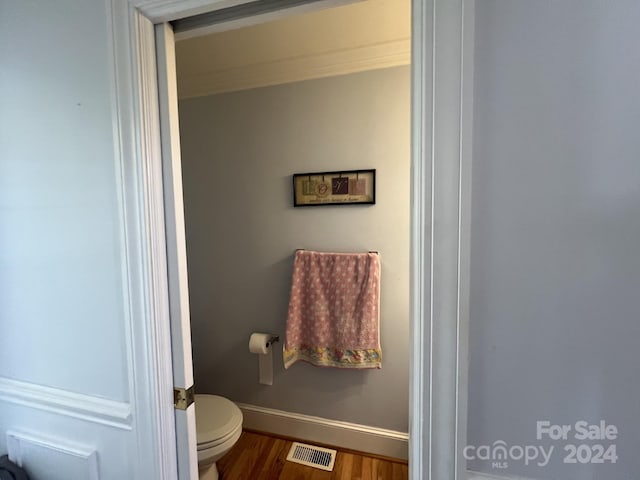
x=442, y=105
x=440, y=108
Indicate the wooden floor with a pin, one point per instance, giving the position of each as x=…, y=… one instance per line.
x=262, y=457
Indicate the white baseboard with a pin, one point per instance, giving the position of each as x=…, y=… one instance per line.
x=378, y=441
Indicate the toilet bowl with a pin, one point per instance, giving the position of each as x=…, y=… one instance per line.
x=218, y=428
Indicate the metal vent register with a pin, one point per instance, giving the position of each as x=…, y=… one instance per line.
x=312, y=456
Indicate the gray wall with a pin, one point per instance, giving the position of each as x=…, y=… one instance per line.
x=555, y=272
x=239, y=151
x=61, y=283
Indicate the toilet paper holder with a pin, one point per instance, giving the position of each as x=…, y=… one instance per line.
x=273, y=339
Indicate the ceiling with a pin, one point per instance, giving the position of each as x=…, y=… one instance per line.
x=361, y=36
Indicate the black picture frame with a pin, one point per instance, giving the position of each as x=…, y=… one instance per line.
x=341, y=187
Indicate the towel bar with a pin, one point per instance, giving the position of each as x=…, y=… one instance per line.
x=303, y=249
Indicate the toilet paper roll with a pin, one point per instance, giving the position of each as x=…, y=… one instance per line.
x=259, y=343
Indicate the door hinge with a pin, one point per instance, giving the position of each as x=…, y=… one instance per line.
x=182, y=397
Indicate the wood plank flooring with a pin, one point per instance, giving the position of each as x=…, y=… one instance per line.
x=263, y=457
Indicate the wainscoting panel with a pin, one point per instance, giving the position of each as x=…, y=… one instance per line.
x=37, y=455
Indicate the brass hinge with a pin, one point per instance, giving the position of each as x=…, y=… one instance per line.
x=182, y=397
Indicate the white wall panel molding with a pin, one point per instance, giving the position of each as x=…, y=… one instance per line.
x=85, y=407
x=338, y=62
x=37, y=455
x=353, y=436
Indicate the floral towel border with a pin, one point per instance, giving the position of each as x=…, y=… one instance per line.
x=334, y=357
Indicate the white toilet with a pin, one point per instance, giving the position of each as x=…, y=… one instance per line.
x=218, y=428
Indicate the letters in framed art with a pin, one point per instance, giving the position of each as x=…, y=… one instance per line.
x=334, y=188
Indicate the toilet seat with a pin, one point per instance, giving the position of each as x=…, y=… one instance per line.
x=217, y=420
x=220, y=441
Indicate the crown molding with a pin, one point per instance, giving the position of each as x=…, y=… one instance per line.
x=327, y=64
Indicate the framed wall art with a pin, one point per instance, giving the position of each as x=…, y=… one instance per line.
x=334, y=188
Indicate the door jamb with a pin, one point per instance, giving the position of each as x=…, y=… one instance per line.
x=442, y=60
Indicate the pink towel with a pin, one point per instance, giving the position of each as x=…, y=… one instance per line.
x=334, y=310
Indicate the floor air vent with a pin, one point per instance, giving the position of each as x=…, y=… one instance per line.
x=312, y=456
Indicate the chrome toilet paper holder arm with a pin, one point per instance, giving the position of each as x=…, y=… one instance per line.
x=273, y=339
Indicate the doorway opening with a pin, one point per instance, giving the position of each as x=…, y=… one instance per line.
x=321, y=91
